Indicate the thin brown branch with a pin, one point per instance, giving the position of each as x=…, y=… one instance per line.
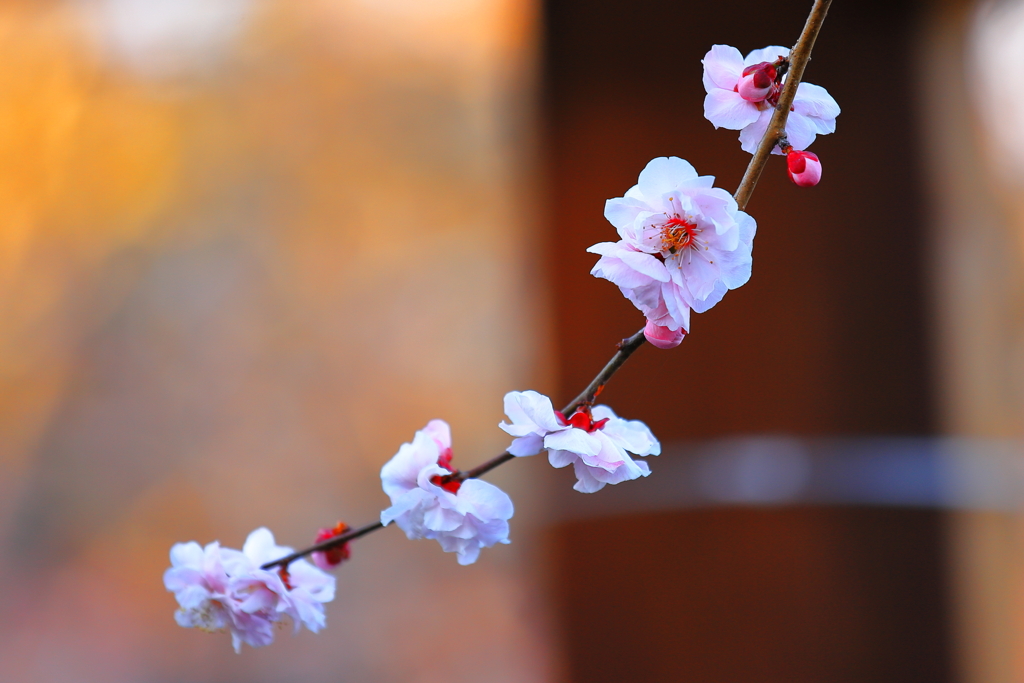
x=798, y=58
x=324, y=545
x=626, y=348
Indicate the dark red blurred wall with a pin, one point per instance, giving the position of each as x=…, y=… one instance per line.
x=830, y=337
x=754, y=596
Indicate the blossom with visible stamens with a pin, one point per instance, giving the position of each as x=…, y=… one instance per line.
x=426, y=502
x=221, y=589
x=595, y=442
x=684, y=244
x=734, y=83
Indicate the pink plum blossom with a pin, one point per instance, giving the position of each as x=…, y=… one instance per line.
x=595, y=442
x=684, y=243
x=222, y=589
x=463, y=516
x=733, y=91
x=804, y=168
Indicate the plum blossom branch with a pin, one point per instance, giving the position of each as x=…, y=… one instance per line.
x=775, y=134
x=798, y=59
x=626, y=348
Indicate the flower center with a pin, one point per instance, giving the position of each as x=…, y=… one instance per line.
x=448, y=481
x=677, y=234
x=582, y=419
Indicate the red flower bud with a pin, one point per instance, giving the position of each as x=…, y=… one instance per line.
x=757, y=82
x=662, y=337
x=332, y=557
x=804, y=168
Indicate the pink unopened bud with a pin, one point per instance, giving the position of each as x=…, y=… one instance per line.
x=662, y=337
x=804, y=168
x=757, y=82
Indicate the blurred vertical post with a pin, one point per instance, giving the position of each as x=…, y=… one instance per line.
x=971, y=104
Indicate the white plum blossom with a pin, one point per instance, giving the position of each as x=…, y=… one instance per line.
x=733, y=101
x=222, y=589
x=595, y=442
x=463, y=516
x=684, y=244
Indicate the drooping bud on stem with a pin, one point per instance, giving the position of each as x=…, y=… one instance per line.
x=804, y=167
x=757, y=82
x=331, y=558
x=662, y=337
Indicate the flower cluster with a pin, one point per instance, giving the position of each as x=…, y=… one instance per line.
x=683, y=245
x=595, y=442
x=427, y=502
x=742, y=94
x=221, y=589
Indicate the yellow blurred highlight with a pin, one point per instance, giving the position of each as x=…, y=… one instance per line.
x=228, y=295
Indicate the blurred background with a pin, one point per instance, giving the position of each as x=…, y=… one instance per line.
x=248, y=247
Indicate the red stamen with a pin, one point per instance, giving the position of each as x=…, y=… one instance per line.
x=285, y=577
x=447, y=482
x=677, y=234
x=581, y=419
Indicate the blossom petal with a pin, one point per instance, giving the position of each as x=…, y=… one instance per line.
x=644, y=264
x=485, y=500
x=525, y=445
x=404, y=504
x=575, y=440
x=533, y=409
x=723, y=65
x=400, y=474
x=800, y=131
x=813, y=100
x=440, y=432
x=621, y=212
x=765, y=54
x=632, y=435
x=187, y=555
x=750, y=137
x=613, y=269
x=586, y=482
x=726, y=109
x=559, y=458
x=662, y=175
x=437, y=518
x=260, y=547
